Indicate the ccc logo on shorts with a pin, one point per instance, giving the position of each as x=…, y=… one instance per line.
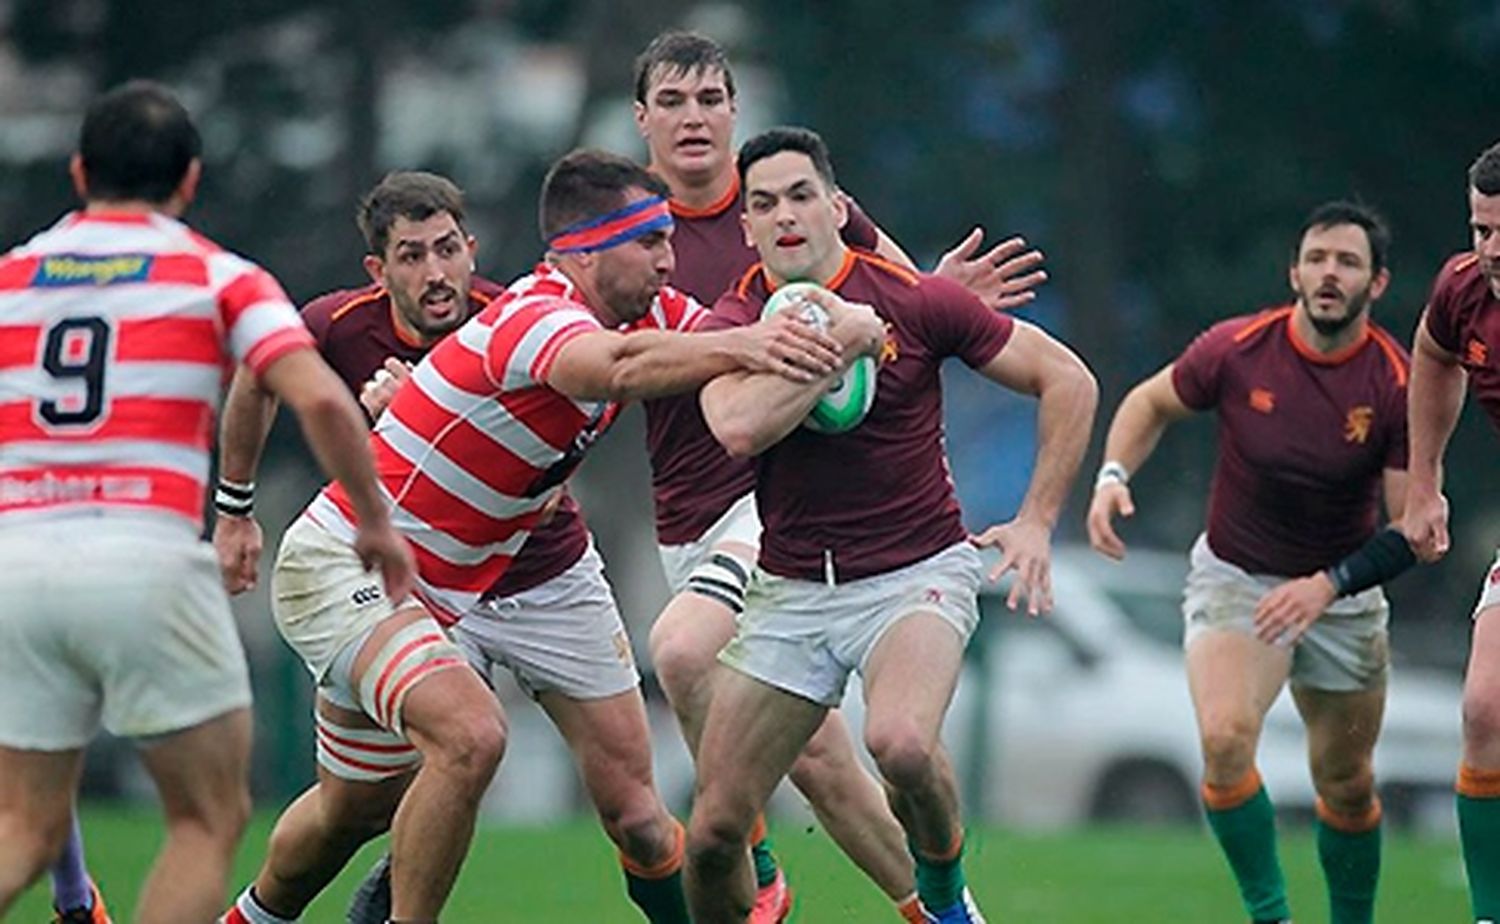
x=365, y=595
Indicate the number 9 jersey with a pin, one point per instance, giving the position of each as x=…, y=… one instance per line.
x=117, y=331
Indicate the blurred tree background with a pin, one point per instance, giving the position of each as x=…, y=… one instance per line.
x=1161, y=152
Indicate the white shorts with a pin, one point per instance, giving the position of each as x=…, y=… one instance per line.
x=1347, y=649
x=806, y=637
x=564, y=635
x=1489, y=593
x=739, y=524
x=114, y=621
x=326, y=605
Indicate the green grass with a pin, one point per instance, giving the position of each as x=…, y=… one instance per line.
x=567, y=873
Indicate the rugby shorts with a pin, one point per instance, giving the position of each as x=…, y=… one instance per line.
x=739, y=524
x=1489, y=593
x=806, y=637
x=114, y=621
x=564, y=635
x=1347, y=649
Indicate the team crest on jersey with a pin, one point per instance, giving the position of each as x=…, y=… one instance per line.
x=85, y=270
x=1263, y=400
x=890, y=349
x=1357, y=424
x=1477, y=354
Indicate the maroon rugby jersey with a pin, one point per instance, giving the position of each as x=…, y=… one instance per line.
x=879, y=496
x=1304, y=439
x=355, y=331
x=1463, y=316
x=693, y=479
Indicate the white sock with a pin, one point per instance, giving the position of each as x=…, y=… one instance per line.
x=254, y=912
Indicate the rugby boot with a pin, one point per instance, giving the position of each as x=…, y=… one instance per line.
x=965, y=912
x=95, y=913
x=371, y=902
x=773, y=902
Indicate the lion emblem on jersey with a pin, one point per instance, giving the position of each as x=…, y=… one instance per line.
x=1357, y=424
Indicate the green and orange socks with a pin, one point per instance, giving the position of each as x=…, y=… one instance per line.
x=1479, y=832
x=940, y=879
x=761, y=854
x=1349, y=850
x=1244, y=822
x=657, y=889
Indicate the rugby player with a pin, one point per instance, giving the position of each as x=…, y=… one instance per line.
x=122, y=323
x=1311, y=405
x=1458, y=340
x=864, y=564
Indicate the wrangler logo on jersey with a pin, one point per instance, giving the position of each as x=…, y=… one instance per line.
x=890, y=350
x=1357, y=424
x=83, y=270
x=1263, y=400
x=1477, y=354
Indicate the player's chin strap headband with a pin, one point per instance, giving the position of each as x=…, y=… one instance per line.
x=613, y=228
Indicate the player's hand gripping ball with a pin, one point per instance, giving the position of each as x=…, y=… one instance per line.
x=844, y=406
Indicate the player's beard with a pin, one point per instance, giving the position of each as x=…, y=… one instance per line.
x=1355, y=306
x=429, y=329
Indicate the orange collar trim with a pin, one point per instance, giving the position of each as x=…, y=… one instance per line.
x=1307, y=352
x=834, y=281
x=717, y=207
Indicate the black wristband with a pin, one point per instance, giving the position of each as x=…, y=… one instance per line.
x=234, y=499
x=1386, y=555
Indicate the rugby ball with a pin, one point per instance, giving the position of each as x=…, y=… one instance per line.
x=844, y=406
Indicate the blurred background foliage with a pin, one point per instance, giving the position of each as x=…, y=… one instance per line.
x=1161, y=152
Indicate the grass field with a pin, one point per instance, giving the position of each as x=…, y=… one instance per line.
x=567, y=873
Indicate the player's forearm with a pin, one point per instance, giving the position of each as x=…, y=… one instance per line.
x=248, y=413
x=1068, y=400
x=652, y=363
x=750, y=412
x=1136, y=429
x=1434, y=397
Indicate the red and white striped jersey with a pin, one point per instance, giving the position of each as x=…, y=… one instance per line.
x=117, y=331
x=473, y=446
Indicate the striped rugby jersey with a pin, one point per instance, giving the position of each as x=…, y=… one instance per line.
x=473, y=446
x=117, y=332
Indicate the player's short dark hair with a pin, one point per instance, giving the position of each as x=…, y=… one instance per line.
x=585, y=184
x=1345, y=212
x=1484, y=173
x=680, y=53
x=787, y=138
x=410, y=194
x=137, y=143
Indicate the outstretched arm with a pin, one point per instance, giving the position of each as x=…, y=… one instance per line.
x=1138, y=425
x=1034, y=363
x=652, y=363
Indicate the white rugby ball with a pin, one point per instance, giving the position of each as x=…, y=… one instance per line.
x=844, y=406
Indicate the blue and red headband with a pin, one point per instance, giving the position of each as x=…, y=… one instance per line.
x=613, y=228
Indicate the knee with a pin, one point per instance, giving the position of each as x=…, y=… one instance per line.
x=1229, y=747
x=640, y=826
x=40, y=842
x=681, y=663
x=469, y=748
x=1481, y=718
x=1347, y=790
x=904, y=753
x=717, y=842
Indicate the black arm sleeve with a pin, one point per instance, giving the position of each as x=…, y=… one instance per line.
x=1385, y=556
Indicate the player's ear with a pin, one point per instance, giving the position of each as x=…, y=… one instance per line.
x=639, y=109
x=79, y=176
x=1379, y=283
x=375, y=267
x=840, y=208
x=745, y=226
x=473, y=245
